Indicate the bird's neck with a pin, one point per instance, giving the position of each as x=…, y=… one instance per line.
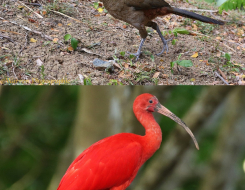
x=153, y=134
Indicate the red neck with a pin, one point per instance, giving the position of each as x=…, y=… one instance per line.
x=153, y=133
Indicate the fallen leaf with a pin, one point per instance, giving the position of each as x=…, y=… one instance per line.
x=126, y=65
x=100, y=10
x=59, y=24
x=55, y=40
x=124, y=26
x=31, y=20
x=193, y=80
x=218, y=38
x=33, y=40
x=195, y=55
x=194, y=27
x=70, y=48
x=218, y=54
x=156, y=75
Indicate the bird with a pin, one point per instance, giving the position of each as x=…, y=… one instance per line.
x=140, y=13
x=113, y=162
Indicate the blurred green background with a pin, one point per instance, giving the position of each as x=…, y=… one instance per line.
x=42, y=129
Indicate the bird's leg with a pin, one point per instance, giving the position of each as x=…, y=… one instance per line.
x=143, y=35
x=137, y=55
x=165, y=42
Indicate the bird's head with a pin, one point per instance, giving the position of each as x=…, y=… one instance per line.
x=147, y=103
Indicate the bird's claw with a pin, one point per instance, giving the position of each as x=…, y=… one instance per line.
x=137, y=55
x=165, y=45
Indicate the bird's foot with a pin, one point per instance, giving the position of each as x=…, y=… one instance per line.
x=165, y=45
x=137, y=55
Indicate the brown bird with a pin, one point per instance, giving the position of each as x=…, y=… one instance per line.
x=140, y=13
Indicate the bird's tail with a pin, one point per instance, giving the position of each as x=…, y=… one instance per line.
x=192, y=15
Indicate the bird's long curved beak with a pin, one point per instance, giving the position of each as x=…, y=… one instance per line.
x=164, y=111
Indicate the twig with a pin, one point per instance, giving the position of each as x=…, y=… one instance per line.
x=38, y=15
x=222, y=74
x=34, y=31
x=66, y=16
x=214, y=39
x=7, y=38
x=217, y=74
x=34, y=4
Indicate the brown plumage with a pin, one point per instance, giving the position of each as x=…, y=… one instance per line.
x=140, y=13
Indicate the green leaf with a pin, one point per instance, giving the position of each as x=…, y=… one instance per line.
x=122, y=53
x=96, y=5
x=67, y=37
x=87, y=81
x=74, y=43
x=181, y=31
x=185, y=63
x=172, y=64
x=152, y=58
x=174, y=41
x=228, y=56
x=131, y=56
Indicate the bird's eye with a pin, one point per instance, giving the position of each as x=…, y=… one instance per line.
x=150, y=101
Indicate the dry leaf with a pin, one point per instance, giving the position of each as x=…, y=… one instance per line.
x=31, y=20
x=100, y=10
x=59, y=24
x=156, y=75
x=161, y=67
x=33, y=40
x=193, y=80
x=218, y=38
x=117, y=65
x=70, y=48
x=124, y=26
x=218, y=54
x=126, y=65
x=55, y=40
x=194, y=27
x=195, y=55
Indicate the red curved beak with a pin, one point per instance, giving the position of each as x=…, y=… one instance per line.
x=164, y=111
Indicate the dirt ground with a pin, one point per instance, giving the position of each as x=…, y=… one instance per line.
x=26, y=57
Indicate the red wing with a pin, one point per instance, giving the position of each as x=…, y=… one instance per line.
x=108, y=163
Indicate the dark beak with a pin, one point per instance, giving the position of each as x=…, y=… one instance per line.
x=164, y=111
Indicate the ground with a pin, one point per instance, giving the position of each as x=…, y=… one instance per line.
x=26, y=57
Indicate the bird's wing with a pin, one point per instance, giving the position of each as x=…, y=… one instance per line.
x=146, y=4
x=108, y=163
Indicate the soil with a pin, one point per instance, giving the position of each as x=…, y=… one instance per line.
x=30, y=57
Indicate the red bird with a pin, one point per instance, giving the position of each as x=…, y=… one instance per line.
x=112, y=163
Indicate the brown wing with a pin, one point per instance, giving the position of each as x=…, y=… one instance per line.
x=146, y=4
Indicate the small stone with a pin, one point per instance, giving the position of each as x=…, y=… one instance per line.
x=39, y=62
x=103, y=65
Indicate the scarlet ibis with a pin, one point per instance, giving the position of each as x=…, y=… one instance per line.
x=112, y=163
